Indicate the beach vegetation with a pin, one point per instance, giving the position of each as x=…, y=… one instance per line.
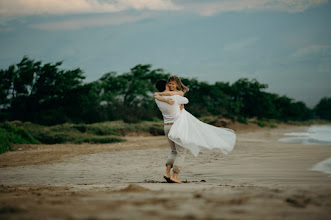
x=5, y=145
x=323, y=108
x=45, y=94
x=17, y=135
x=103, y=132
x=11, y=134
x=242, y=120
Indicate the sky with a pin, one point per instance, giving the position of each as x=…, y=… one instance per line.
x=283, y=43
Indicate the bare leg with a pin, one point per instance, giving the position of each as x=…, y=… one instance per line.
x=167, y=172
x=174, y=178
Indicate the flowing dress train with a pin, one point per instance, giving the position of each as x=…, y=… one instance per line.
x=196, y=136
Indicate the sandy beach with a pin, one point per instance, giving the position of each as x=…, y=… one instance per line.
x=261, y=178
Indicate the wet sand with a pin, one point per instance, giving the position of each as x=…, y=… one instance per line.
x=260, y=179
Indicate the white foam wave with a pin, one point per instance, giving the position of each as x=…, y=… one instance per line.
x=323, y=166
x=320, y=135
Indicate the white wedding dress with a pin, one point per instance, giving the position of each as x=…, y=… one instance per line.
x=196, y=136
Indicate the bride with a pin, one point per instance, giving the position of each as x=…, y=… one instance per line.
x=193, y=134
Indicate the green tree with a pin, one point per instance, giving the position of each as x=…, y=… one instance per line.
x=129, y=96
x=249, y=96
x=323, y=108
x=42, y=93
x=46, y=94
x=206, y=99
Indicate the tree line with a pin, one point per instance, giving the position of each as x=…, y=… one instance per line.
x=46, y=94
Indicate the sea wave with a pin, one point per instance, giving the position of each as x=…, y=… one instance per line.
x=323, y=166
x=320, y=135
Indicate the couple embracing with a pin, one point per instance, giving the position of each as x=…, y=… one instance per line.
x=183, y=131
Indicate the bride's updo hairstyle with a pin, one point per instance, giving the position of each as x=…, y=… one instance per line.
x=180, y=85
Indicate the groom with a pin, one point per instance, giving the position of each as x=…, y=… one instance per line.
x=170, y=108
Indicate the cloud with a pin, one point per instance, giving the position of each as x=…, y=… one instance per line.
x=312, y=51
x=18, y=9
x=78, y=23
x=240, y=44
x=59, y=7
x=212, y=7
x=320, y=52
x=205, y=8
x=6, y=29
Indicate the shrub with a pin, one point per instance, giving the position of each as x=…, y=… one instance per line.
x=12, y=134
x=242, y=120
x=4, y=142
x=272, y=126
x=261, y=123
x=18, y=135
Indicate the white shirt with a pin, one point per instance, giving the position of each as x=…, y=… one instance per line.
x=171, y=112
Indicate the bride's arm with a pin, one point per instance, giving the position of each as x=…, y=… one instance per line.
x=170, y=93
x=162, y=99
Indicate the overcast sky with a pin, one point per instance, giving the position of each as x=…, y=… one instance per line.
x=283, y=43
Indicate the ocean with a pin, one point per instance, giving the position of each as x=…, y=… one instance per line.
x=318, y=135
